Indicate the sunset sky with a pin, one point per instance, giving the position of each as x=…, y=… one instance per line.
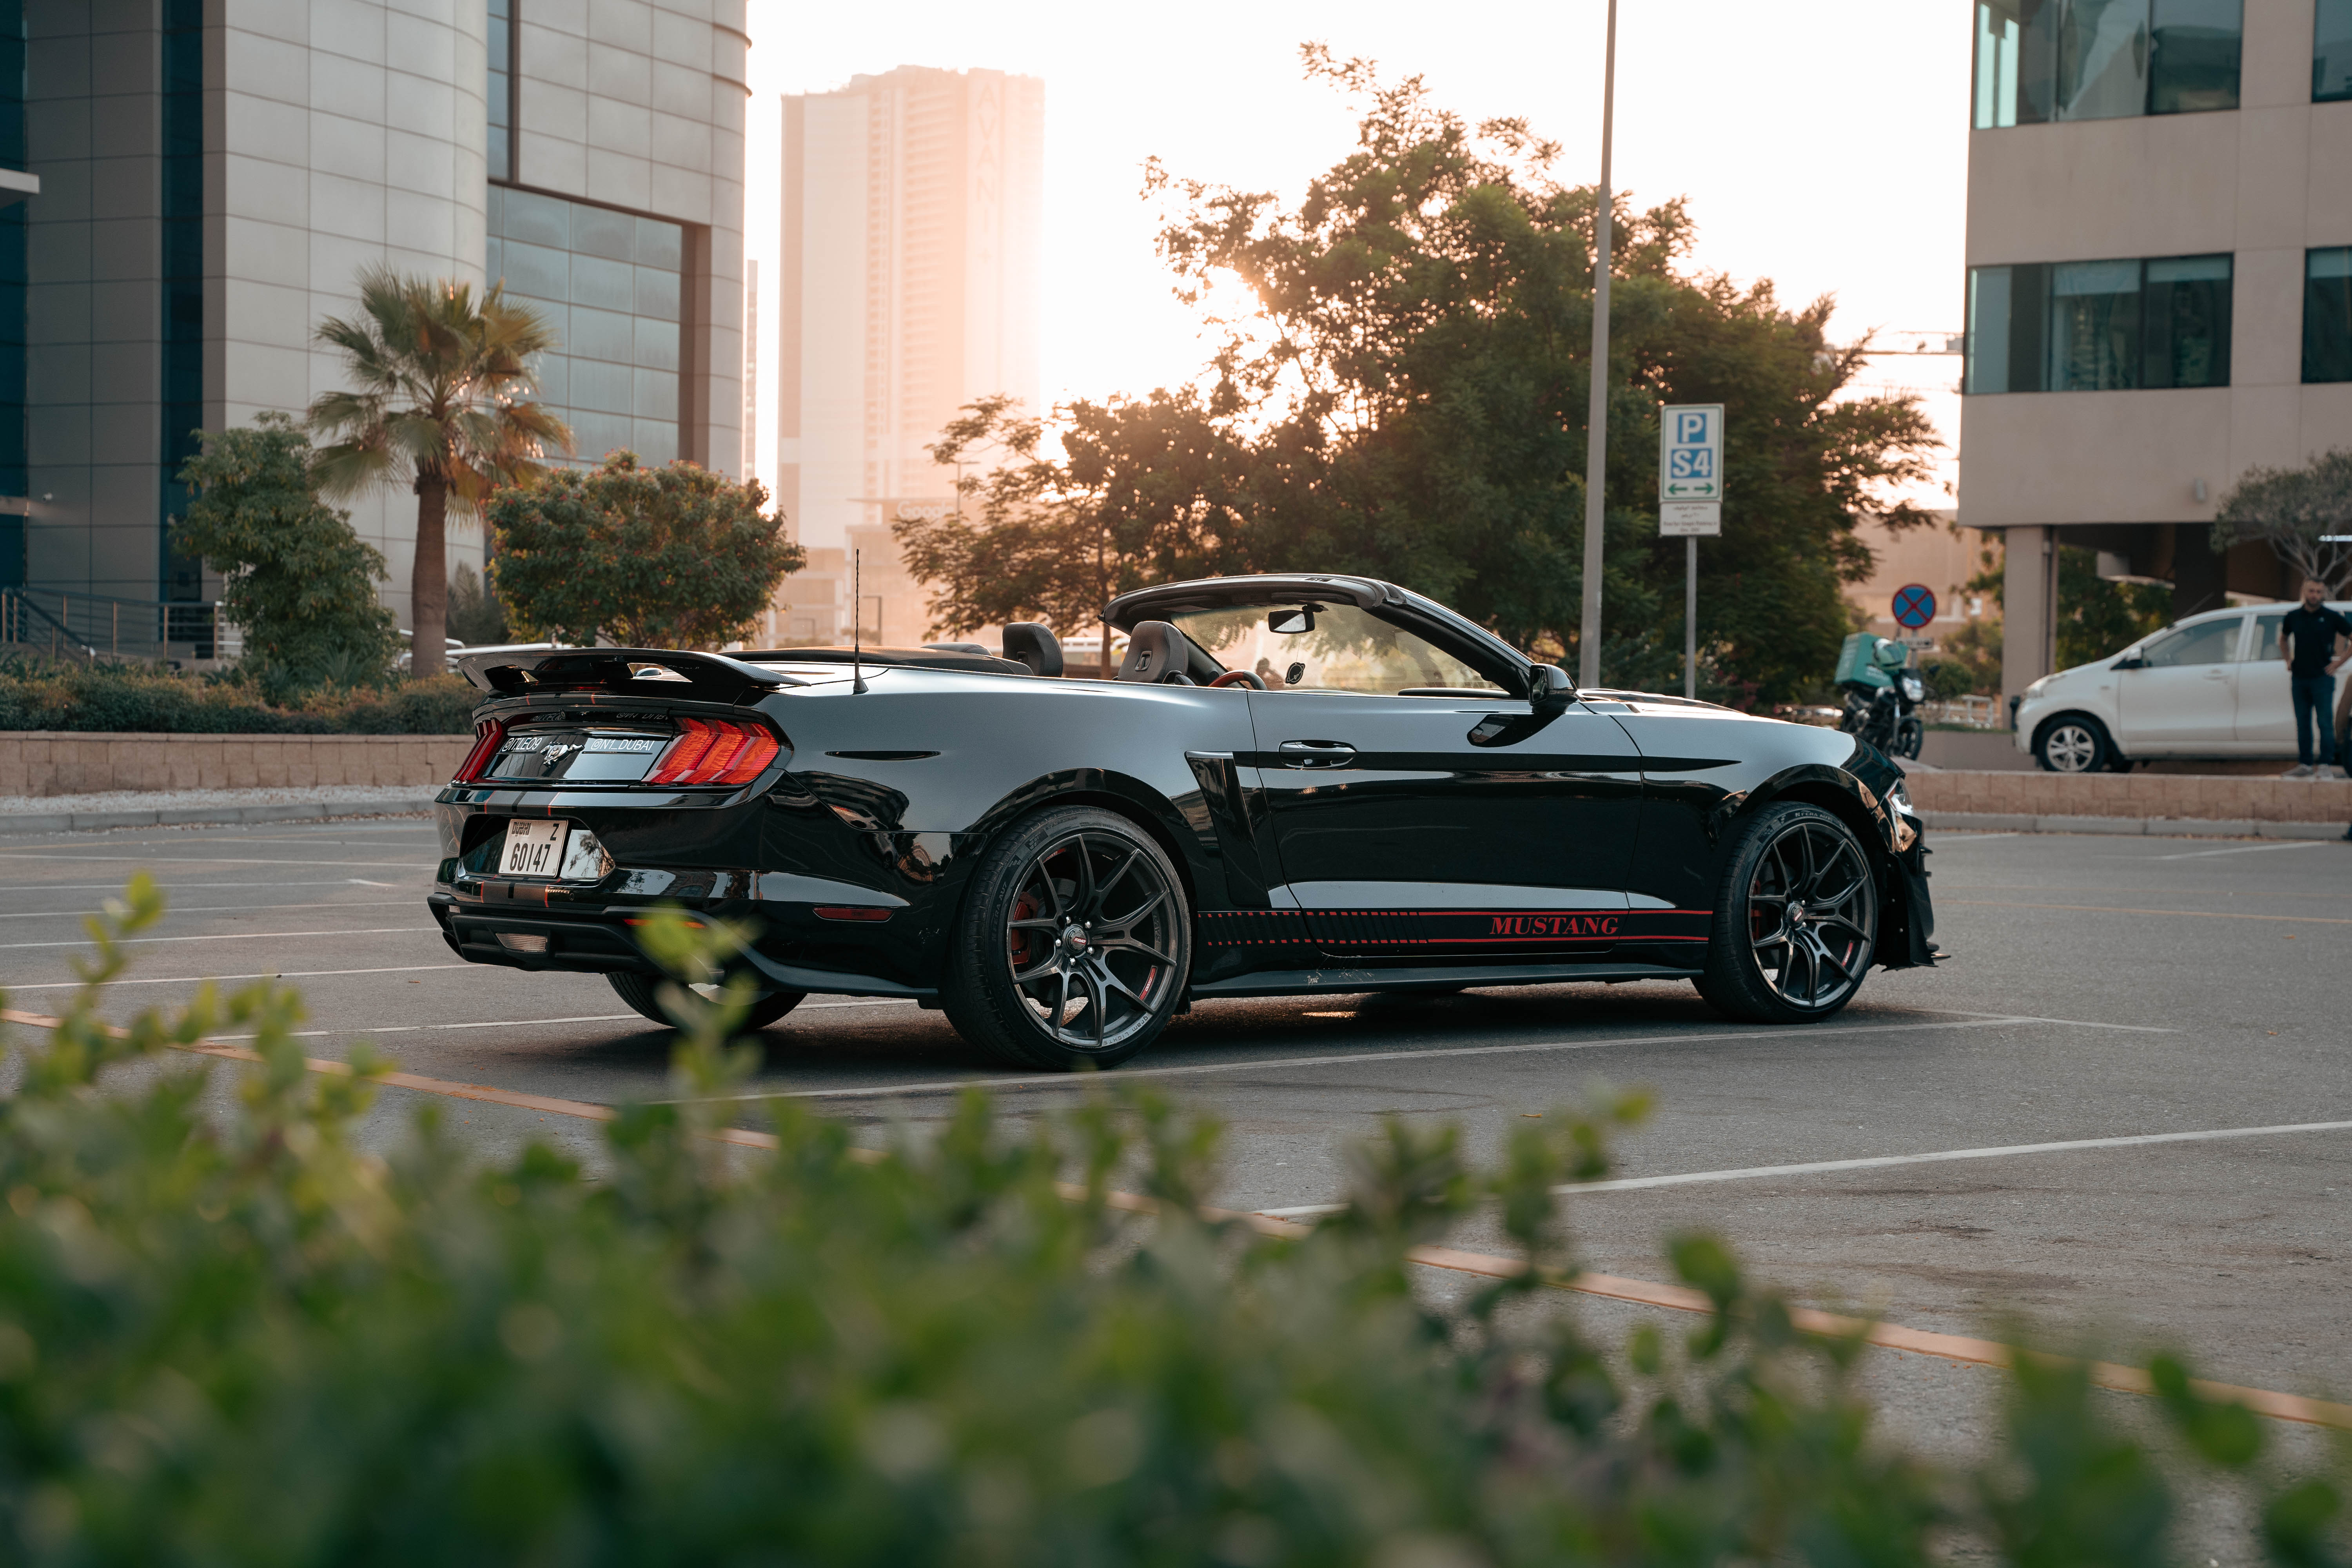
x=1824, y=147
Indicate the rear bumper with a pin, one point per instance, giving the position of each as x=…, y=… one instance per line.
x=594, y=941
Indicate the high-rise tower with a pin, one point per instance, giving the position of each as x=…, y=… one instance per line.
x=907, y=286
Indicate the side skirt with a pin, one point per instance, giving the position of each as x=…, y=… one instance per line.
x=1336, y=978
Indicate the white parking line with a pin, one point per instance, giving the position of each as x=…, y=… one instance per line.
x=290, y=865
x=1761, y=1033
x=243, y=936
x=273, y=975
x=45, y=889
x=216, y=908
x=418, y=1029
x=2238, y=849
x=1881, y=1162
x=532, y=1023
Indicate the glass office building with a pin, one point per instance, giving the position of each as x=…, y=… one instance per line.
x=610, y=284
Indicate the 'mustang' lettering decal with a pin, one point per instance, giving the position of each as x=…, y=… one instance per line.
x=1553, y=925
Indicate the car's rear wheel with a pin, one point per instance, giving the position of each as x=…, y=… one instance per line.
x=641, y=992
x=1796, y=923
x=1075, y=946
x=2072, y=743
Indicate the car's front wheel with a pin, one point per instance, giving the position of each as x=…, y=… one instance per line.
x=1796, y=922
x=2072, y=743
x=642, y=993
x=1075, y=946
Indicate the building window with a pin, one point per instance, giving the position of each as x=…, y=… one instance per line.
x=611, y=285
x=2328, y=315
x=2099, y=326
x=2331, y=51
x=13, y=474
x=2039, y=61
x=184, y=280
x=501, y=93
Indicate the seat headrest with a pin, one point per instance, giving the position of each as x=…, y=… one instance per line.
x=1155, y=651
x=1026, y=642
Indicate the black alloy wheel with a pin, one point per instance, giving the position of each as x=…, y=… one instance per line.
x=642, y=993
x=2072, y=743
x=1796, y=922
x=1074, y=946
x=1910, y=739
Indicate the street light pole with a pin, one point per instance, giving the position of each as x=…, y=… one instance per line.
x=1596, y=424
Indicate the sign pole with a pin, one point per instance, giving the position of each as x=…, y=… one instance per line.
x=1690, y=615
x=1690, y=502
x=1596, y=421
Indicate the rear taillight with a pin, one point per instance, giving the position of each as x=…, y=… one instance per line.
x=715, y=751
x=489, y=733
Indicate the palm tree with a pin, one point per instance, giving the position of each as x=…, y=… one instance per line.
x=444, y=402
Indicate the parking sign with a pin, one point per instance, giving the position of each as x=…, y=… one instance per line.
x=1690, y=469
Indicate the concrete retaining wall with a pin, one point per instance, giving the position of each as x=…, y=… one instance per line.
x=41, y=763
x=2136, y=795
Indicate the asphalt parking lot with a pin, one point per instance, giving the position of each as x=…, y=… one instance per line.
x=2102, y=989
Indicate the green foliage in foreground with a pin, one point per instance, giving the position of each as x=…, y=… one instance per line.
x=37, y=694
x=229, y=1335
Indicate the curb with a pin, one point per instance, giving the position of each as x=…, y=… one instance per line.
x=209, y=815
x=2150, y=827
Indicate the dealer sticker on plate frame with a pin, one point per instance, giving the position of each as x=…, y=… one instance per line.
x=533, y=848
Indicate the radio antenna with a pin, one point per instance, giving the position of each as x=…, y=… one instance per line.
x=857, y=622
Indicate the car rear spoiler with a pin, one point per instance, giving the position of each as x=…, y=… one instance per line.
x=636, y=671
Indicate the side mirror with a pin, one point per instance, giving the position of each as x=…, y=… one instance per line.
x=2132, y=661
x=1549, y=688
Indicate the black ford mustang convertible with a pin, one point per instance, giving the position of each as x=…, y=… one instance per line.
x=1292, y=785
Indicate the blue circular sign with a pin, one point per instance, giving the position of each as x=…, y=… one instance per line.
x=1915, y=605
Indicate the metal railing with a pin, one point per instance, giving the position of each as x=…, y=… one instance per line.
x=88, y=627
x=1975, y=712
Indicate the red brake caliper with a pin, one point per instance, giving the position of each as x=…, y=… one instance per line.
x=1023, y=943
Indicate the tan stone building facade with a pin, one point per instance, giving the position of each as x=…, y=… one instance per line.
x=2159, y=253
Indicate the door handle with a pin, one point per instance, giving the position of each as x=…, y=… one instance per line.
x=2217, y=675
x=1316, y=753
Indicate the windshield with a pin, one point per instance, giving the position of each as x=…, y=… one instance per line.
x=1334, y=647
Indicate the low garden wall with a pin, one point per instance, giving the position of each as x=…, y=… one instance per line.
x=2135, y=795
x=42, y=762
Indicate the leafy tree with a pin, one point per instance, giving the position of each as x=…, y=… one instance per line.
x=2303, y=514
x=475, y=617
x=2096, y=617
x=671, y=557
x=1144, y=491
x=1407, y=400
x=444, y=404
x=1968, y=662
x=295, y=578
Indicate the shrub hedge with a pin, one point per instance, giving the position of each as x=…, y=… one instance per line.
x=39, y=695
x=229, y=1335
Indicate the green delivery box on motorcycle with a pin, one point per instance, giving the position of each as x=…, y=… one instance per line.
x=1866, y=659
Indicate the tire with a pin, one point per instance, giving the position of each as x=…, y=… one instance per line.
x=1075, y=946
x=2072, y=743
x=639, y=991
x=1910, y=739
x=1796, y=922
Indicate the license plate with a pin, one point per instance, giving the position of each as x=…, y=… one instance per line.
x=533, y=848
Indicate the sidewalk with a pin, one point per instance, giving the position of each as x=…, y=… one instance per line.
x=152, y=808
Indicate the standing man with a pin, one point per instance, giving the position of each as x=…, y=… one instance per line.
x=2314, y=640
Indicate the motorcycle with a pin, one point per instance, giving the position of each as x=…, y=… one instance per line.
x=1882, y=694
